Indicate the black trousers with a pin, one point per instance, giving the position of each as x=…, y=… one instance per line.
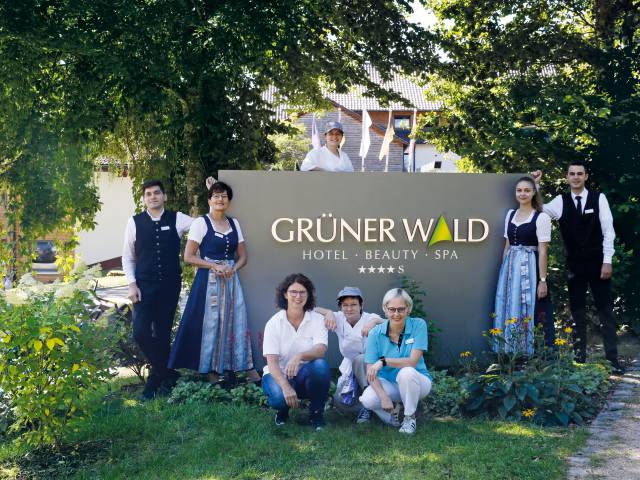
x=544, y=316
x=580, y=276
x=152, y=321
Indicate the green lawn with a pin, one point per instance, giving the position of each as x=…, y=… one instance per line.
x=130, y=440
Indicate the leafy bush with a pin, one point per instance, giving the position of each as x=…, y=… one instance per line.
x=52, y=356
x=192, y=392
x=548, y=387
x=416, y=293
x=6, y=413
x=446, y=396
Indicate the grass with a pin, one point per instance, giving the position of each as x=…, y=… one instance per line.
x=126, y=439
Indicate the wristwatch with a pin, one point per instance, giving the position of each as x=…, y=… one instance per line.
x=543, y=279
x=384, y=361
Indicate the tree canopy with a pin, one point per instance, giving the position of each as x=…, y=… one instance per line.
x=534, y=83
x=174, y=88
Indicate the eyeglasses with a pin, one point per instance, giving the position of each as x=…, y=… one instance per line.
x=297, y=293
x=219, y=196
x=396, y=309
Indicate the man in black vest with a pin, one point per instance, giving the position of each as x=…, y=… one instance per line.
x=586, y=226
x=151, y=263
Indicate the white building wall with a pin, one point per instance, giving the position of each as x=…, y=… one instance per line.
x=427, y=153
x=105, y=241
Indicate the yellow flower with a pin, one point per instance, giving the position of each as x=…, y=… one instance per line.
x=465, y=354
x=528, y=413
x=495, y=331
x=511, y=321
x=568, y=329
x=560, y=341
x=526, y=319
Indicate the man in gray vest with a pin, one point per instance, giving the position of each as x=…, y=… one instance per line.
x=151, y=263
x=586, y=226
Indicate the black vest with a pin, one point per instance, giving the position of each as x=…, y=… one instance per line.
x=524, y=234
x=581, y=234
x=157, y=248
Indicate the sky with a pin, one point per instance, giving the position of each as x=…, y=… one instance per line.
x=421, y=16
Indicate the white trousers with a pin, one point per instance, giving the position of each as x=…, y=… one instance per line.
x=411, y=386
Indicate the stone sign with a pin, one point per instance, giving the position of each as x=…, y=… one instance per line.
x=444, y=231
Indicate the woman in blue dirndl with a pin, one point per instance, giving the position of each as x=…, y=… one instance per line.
x=214, y=337
x=522, y=298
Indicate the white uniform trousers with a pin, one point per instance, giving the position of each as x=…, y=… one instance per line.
x=411, y=386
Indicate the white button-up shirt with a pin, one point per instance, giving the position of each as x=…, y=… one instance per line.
x=280, y=338
x=554, y=210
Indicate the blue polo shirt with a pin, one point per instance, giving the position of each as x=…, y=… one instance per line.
x=380, y=345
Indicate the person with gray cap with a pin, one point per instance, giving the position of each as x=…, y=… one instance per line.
x=351, y=324
x=329, y=158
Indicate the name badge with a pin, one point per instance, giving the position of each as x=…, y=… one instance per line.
x=409, y=341
x=219, y=235
x=589, y=210
x=166, y=227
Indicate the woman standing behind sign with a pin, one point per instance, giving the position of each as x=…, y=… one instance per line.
x=522, y=299
x=213, y=336
x=329, y=158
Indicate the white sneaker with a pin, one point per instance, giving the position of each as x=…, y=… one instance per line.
x=408, y=426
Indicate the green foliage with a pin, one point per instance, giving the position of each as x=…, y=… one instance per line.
x=189, y=392
x=546, y=387
x=415, y=291
x=6, y=413
x=52, y=356
x=446, y=395
x=534, y=84
x=291, y=148
x=547, y=396
x=177, y=89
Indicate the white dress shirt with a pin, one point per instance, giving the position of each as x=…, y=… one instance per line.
x=280, y=338
x=183, y=222
x=323, y=159
x=554, y=210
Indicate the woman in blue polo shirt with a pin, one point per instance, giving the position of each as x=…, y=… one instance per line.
x=395, y=365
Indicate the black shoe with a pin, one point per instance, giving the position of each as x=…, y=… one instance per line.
x=281, y=417
x=151, y=387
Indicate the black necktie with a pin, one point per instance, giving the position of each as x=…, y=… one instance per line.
x=579, y=204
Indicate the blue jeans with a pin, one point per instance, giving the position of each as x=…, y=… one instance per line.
x=311, y=382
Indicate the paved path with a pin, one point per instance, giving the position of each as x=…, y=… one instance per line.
x=613, y=449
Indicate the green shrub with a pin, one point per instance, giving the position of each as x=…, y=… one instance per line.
x=52, y=355
x=446, y=396
x=193, y=392
x=6, y=413
x=547, y=387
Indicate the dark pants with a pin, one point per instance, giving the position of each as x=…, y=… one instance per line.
x=544, y=316
x=579, y=277
x=312, y=382
x=152, y=322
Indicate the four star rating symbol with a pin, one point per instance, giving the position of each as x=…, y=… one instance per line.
x=372, y=269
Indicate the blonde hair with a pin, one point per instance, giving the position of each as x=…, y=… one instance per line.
x=397, y=292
